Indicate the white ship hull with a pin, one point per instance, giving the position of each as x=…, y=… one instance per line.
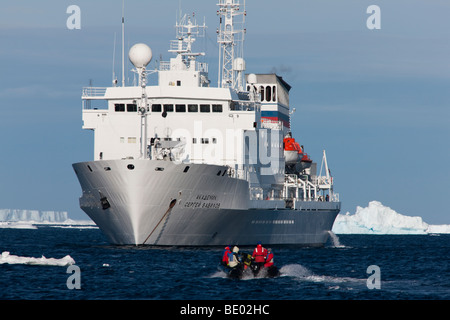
x=166, y=204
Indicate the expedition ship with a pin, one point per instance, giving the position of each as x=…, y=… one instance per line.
x=182, y=163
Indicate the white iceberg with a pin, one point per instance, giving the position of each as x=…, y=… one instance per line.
x=6, y=257
x=14, y=215
x=27, y=219
x=379, y=219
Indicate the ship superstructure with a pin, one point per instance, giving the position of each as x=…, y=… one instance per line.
x=185, y=163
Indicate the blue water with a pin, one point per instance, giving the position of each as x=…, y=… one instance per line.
x=411, y=267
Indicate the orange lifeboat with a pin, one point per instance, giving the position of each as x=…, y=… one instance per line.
x=292, y=150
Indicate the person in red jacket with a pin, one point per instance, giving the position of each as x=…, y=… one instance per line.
x=269, y=259
x=225, y=254
x=259, y=254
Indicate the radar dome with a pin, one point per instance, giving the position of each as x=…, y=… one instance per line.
x=239, y=64
x=251, y=78
x=140, y=55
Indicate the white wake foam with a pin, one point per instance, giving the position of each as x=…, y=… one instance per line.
x=302, y=273
x=6, y=257
x=295, y=271
x=335, y=239
x=16, y=225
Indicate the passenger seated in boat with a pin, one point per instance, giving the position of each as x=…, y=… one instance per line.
x=269, y=259
x=225, y=254
x=233, y=258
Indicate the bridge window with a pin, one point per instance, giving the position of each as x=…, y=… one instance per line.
x=205, y=108
x=180, y=108
x=156, y=108
x=168, y=107
x=268, y=93
x=119, y=107
x=192, y=107
x=132, y=107
x=216, y=108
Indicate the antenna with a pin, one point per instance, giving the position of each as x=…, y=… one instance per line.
x=186, y=30
x=123, y=43
x=114, y=78
x=231, y=39
x=140, y=56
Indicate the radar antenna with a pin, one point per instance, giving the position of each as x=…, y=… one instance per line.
x=186, y=29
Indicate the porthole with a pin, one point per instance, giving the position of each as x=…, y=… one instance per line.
x=159, y=169
x=130, y=167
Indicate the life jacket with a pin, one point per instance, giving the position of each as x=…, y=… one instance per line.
x=225, y=255
x=233, y=259
x=269, y=260
x=259, y=254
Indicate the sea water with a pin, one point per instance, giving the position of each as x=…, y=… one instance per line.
x=408, y=267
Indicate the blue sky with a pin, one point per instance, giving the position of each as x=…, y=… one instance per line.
x=376, y=100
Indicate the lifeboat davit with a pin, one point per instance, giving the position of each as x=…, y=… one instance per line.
x=304, y=163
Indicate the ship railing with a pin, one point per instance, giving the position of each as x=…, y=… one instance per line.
x=256, y=193
x=164, y=65
x=306, y=190
x=178, y=46
x=93, y=92
x=324, y=180
x=201, y=66
x=242, y=106
x=198, y=66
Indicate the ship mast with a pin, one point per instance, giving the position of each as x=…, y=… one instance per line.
x=186, y=28
x=230, y=36
x=140, y=56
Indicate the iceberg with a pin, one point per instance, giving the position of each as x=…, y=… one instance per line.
x=27, y=219
x=379, y=219
x=14, y=215
x=6, y=257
